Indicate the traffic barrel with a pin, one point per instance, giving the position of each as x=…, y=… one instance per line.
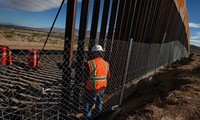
x=33, y=58
x=3, y=55
x=9, y=56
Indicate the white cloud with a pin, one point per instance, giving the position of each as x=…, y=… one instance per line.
x=31, y=5
x=195, y=37
x=198, y=33
x=195, y=42
x=194, y=25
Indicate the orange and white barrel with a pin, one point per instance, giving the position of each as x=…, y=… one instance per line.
x=9, y=56
x=3, y=54
x=33, y=58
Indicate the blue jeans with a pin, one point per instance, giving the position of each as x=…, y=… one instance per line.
x=91, y=98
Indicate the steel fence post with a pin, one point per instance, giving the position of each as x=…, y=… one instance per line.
x=2, y=113
x=160, y=52
x=42, y=112
x=171, y=56
x=126, y=70
x=58, y=115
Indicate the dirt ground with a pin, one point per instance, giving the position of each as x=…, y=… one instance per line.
x=172, y=94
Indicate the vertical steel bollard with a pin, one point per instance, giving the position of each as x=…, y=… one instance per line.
x=126, y=70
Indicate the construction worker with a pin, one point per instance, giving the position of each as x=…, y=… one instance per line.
x=98, y=72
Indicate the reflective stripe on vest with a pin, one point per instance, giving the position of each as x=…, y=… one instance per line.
x=96, y=82
x=93, y=68
x=97, y=78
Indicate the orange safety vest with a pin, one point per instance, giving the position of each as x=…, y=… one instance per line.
x=99, y=69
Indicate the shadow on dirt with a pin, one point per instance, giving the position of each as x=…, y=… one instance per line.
x=22, y=65
x=155, y=89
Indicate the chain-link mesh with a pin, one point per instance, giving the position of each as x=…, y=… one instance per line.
x=44, y=92
x=49, y=84
x=30, y=89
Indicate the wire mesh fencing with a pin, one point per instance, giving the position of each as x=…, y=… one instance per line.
x=47, y=89
x=48, y=82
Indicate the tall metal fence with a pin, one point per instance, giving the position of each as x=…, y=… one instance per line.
x=49, y=84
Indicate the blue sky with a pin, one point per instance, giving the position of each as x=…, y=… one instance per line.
x=37, y=14
x=193, y=7
x=41, y=13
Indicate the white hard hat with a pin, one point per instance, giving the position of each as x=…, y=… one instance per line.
x=97, y=48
